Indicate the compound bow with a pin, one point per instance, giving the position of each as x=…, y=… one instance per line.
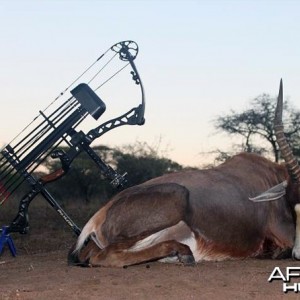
x=20, y=158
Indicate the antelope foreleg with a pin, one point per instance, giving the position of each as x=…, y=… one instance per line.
x=296, y=248
x=113, y=256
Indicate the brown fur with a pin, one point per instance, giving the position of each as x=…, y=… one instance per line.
x=214, y=204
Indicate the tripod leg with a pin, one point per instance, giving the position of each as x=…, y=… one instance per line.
x=6, y=238
x=11, y=246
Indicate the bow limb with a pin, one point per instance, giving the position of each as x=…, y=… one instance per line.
x=141, y=107
x=127, y=51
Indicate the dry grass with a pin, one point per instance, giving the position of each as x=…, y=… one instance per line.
x=48, y=231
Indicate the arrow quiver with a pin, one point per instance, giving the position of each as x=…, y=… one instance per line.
x=57, y=126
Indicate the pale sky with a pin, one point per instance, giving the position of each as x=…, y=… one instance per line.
x=197, y=60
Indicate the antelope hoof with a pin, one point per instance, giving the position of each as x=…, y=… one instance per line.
x=187, y=260
x=85, y=264
x=296, y=253
x=284, y=254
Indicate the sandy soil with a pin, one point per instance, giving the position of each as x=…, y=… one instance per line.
x=47, y=276
x=40, y=270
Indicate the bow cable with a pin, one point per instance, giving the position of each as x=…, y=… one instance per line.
x=73, y=82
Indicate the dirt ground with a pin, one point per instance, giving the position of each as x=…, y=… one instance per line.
x=40, y=271
x=47, y=276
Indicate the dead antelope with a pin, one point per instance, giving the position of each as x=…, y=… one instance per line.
x=189, y=216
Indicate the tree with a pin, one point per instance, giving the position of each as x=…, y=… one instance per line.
x=142, y=162
x=255, y=125
x=84, y=180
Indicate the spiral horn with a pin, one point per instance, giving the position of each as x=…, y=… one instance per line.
x=284, y=147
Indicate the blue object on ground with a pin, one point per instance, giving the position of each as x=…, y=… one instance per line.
x=5, y=238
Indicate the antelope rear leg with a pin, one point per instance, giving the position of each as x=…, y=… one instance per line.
x=116, y=256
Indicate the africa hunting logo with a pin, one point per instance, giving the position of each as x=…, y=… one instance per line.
x=285, y=277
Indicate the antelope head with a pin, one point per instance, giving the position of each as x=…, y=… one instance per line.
x=292, y=166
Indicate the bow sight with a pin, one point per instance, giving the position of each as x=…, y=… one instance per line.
x=51, y=128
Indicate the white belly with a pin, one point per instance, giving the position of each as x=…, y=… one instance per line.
x=182, y=234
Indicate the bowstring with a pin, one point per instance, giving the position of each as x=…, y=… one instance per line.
x=111, y=77
x=77, y=78
x=71, y=84
x=102, y=69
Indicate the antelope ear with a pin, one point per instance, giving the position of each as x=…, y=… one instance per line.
x=273, y=193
